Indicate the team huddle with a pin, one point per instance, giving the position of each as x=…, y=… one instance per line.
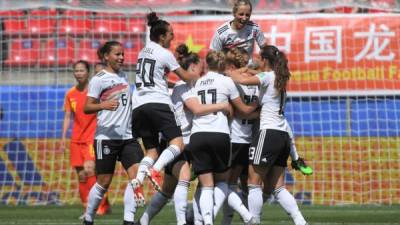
x=223, y=122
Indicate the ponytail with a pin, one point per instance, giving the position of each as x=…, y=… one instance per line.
x=279, y=64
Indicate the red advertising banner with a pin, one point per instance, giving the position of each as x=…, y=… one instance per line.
x=327, y=53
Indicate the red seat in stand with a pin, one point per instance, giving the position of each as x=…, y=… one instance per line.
x=23, y=52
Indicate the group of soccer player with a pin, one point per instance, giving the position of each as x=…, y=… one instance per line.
x=224, y=122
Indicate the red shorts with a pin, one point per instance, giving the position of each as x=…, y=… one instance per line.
x=81, y=152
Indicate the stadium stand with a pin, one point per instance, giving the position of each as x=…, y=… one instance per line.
x=23, y=52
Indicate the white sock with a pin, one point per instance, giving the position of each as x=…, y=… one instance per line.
x=236, y=203
x=198, y=219
x=220, y=193
x=129, y=204
x=180, y=200
x=227, y=215
x=95, y=196
x=144, y=165
x=293, y=151
x=255, y=201
x=156, y=204
x=207, y=204
x=167, y=156
x=288, y=203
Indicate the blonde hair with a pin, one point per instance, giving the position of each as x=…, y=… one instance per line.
x=237, y=3
x=216, y=61
x=237, y=57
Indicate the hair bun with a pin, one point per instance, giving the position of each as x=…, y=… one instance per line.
x=182, y=50
x=152, y=19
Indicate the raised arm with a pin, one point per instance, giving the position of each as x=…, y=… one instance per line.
x=185, y=75
x=237, y=77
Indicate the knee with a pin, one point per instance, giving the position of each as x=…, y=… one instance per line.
x=104, y=181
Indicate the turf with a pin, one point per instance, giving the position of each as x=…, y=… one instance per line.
x=273, y=214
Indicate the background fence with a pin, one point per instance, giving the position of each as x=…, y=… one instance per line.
x=343, y=104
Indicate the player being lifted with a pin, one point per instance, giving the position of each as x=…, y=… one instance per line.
x=270, y=149
x=109, y=96
x=153, y=112
x=243, y=33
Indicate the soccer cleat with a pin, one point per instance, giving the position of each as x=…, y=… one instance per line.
x=139, y=196
x=138, y=193
x=104, y=211
x=128, y=223
x=252, y=221
x=85, y=222
x=155, y=178
x=300, y=165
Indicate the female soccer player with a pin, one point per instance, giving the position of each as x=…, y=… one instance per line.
x=177, y=173
x=241, y=32
x=109, y=96
x=81, y=147
x=152, y=107
x=241, y=131
x=210, y=138
x=270, y=149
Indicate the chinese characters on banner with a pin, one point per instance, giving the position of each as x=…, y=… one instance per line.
x=325, y=52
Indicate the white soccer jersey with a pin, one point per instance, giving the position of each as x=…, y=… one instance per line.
x=226, y=37
x=210, y=89
x=154, y=63
x=273, y=104
x=182, y=91
x=112, y=125
x=241, y=129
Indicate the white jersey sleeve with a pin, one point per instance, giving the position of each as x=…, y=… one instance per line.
x=170, y=61
x=233, y=90
x=94, y=87
x=265, y=79
x=216, y=43
x=259, y=36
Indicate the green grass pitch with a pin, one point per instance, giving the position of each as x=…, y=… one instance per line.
x=272, y=215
